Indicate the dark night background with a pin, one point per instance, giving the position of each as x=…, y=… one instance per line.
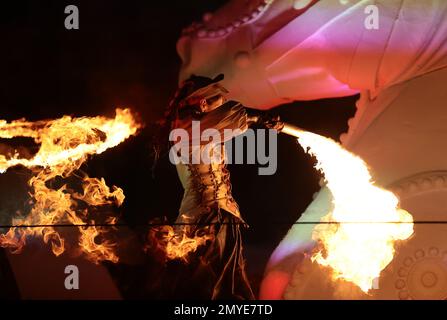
x=124, y=55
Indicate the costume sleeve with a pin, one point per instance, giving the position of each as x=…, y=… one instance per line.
x=228, y=121
x=231, y=115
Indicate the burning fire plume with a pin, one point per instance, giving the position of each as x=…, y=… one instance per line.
x=65, y=144
x=177, y=242
x=359, y=234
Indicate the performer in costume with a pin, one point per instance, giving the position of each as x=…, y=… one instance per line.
x=217, y=269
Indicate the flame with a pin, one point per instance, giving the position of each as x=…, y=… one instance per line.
x=177, y=242
x=358, y=236
x=65, y=144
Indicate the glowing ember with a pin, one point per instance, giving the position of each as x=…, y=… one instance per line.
x=358, y=236
x=65, y=145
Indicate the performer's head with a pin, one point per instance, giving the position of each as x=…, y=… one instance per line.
x=201, y=94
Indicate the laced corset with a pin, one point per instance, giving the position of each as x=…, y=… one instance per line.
x=207, y=187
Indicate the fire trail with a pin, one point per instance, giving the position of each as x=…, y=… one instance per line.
x=360, y=242
x=64, y=145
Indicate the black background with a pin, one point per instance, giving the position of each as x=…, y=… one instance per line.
x=124, y=56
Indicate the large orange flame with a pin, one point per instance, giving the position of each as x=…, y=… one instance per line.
x=359, y=234
x=65, y=144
